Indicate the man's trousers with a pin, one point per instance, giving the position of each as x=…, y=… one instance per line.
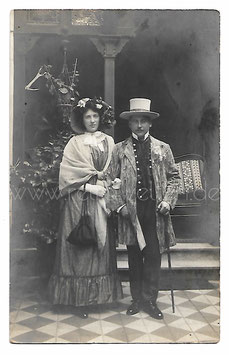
x=144, y=266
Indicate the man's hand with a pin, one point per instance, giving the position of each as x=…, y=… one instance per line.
x=163, y=208
x=124, y=212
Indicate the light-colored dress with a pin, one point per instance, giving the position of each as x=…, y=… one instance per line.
x=84, y=276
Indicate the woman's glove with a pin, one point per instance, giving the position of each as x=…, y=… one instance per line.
x=103, y=205
x=101, y=183
x=95, y=190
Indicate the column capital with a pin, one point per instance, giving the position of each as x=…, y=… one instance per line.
x=109, y=46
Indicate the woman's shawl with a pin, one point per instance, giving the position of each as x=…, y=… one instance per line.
x=77, y=165
x=77, y=168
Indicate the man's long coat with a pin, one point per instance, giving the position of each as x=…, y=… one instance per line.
x=166, y=180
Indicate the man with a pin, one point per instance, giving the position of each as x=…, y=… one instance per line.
x=149, y=187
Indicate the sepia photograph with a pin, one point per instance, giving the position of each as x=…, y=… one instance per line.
x=114, y=176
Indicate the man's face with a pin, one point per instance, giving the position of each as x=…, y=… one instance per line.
x=139, y=125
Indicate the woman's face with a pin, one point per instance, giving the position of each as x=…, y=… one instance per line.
x=91, y=120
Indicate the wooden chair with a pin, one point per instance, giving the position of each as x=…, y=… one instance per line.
x=188, y=215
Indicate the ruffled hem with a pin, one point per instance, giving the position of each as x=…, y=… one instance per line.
x=82, y=291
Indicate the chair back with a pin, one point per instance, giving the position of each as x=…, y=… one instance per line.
x=191, y=168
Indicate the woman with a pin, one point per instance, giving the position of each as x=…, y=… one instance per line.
x=82, y=275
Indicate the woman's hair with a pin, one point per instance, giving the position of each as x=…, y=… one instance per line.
x=97, y=105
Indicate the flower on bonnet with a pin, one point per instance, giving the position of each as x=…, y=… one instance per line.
x=82, y=102
x=106, y=111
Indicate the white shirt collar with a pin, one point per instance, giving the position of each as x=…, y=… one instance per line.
x=136, y=137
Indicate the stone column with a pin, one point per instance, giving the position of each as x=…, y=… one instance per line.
x=109, y=47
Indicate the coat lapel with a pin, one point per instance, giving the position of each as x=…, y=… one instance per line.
x=156, y=157
x=129, y=152
x=156, y=153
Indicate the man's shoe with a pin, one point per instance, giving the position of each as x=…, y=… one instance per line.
x=152, y=309
x=133, y=308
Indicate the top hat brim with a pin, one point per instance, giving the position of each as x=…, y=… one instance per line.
x=129, y=114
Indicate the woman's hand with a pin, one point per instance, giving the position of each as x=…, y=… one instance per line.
x=95, y=190
x=100, y=183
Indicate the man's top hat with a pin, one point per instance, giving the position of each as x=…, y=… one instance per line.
x=139, y=106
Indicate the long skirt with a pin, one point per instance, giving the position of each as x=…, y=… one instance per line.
x=84, y=275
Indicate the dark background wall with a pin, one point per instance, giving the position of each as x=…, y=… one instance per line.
x=173, y=60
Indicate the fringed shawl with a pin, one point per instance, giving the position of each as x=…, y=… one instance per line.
x=77, y=165
x=77, y=168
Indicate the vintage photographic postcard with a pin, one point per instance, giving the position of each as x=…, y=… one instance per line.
x=114, y=176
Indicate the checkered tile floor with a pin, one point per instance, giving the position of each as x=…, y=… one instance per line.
x=196, y=320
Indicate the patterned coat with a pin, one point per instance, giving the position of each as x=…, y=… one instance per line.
x=166, y=180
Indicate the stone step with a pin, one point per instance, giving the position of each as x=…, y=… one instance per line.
x=197, y=254
x=179, y=264
x=194, y=265
x=181, y=246
x=28, y=261
x=183, y=256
